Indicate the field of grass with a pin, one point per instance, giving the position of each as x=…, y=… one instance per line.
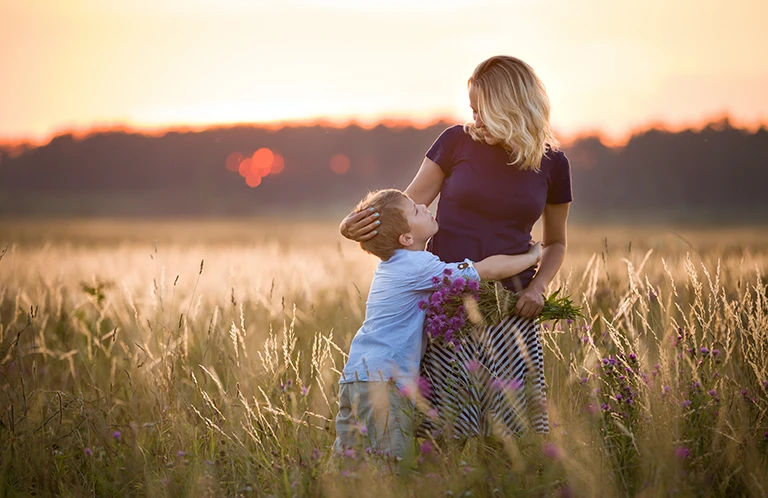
x=173, y=358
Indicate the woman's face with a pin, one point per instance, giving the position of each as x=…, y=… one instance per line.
x=476, y=116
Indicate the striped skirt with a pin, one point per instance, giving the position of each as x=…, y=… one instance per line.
x=494, y=381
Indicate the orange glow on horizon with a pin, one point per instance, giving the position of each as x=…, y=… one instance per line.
x=152, y=67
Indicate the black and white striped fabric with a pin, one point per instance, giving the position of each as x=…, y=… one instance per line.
x=494, y=381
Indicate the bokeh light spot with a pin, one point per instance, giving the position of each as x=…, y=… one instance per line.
x=339, y=164
x=233, y=161
x=261, y=162
x=253, y=181
x=278, y=165
x=245, y=168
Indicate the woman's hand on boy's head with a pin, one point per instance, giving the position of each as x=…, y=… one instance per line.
x=360, y=225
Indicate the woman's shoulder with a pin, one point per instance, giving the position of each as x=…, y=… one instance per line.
x=454, y=132
x=554, y=156
x=554, y=160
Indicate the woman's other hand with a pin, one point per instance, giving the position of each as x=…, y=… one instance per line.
x=530, y=301
x=360, y=225
x=535, y=251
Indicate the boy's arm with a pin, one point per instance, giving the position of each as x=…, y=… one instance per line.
x=501, y=266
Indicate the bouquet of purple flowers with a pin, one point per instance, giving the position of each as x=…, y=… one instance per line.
x=461, y=304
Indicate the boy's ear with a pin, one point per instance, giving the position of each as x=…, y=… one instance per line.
x=406, y=239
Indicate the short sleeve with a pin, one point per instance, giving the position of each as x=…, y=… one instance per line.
x=559, y=190
x=443, y=150
x=433, y=270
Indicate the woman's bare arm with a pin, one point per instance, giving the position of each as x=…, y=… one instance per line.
x=554, y=223
x=361, y=226
x=427, y=183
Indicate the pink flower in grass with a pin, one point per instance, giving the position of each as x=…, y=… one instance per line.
x=506, y=384
x=552, y=451
x=472, y=365
x=425, y=388
x=426, y=447
x=682, y=452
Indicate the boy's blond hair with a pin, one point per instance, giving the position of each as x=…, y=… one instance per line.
x=389, y=203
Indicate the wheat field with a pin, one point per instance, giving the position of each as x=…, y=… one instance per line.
x=180, y=358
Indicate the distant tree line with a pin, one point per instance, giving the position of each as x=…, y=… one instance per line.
x=718, y=173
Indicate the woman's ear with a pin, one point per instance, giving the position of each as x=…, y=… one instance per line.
x=406, y=240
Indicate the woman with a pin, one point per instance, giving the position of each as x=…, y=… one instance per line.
x=496, y=176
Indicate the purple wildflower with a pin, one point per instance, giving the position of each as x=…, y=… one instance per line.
x=181, y=454
x=472, y=365
x=459, y=284
x=116, y=434
x=682, y=452
x=448, y=272
x=686, y=403
x=506, y=385
x=425, y=388
x=552, y=451
x=704, y=350
x=426, y=448
x=423, y=305
x=712, y=392
x=88, y=452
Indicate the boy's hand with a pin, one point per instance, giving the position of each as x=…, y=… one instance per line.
x=360, y=225
x=535, y=250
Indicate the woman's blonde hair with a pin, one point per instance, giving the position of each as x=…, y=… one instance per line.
x=514, y=107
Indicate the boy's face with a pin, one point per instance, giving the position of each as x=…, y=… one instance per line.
x=423, y=224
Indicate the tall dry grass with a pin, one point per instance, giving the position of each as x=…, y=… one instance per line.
x=207, y=364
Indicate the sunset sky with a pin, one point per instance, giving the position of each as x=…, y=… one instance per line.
x=609, y=66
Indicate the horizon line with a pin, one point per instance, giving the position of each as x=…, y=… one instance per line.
x=84, y=132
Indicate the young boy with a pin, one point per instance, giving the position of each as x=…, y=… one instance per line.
x=385, y=353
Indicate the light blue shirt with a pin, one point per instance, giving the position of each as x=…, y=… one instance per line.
x=388, y=345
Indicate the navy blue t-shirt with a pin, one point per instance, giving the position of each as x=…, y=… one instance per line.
x=487, y=206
